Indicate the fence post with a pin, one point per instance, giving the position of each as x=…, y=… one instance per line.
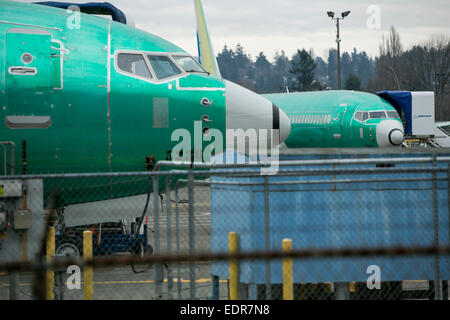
x=342, y=291
x=169, y=237
x=267, y=238
x=177, y=227
x=192, y=273
x=159, y=271
x=288, y=287
x=437, y=276
x=214, y=287
x=13, y=295
x=233, y=247
x=88, y=274
x=50, y=253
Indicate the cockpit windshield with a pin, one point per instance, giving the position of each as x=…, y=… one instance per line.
x=377, y=115
x=188, y=64
x=392, y=114
x=163, y=66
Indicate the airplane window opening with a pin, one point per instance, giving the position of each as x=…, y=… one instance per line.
x=359, y=116
x=446, y=129
x=163, y=67
x=365, y=116
x=377, y=115
x=134, y=64
x=27, y=58
x=392, y=114
x=188, y=64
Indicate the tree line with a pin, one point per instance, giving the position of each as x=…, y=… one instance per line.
x=424, y=67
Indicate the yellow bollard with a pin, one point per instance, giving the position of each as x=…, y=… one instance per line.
x=288, y=287
x=50, y=275
x=233, y=247
x=88, y=275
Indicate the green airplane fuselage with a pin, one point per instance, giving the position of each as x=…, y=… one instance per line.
x=330, y=119
x=79, y=108
x=90, y=114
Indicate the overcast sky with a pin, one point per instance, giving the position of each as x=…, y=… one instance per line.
x=270, y=26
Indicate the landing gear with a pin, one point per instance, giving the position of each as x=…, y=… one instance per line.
x=68, y=248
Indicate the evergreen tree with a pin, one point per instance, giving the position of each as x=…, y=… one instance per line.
x=227, y=64
x=302, y=67
x=352, y=82
x=282, y=77
x=263, y=76
x=332, y=68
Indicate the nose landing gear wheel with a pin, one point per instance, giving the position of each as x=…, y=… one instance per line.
x=67, y=249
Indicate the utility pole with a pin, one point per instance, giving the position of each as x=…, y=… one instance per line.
x=338, y=41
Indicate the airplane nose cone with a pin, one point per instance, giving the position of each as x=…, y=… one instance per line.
x=396, y=137
x=247, y=110
x=285, y=124
x=389, y=133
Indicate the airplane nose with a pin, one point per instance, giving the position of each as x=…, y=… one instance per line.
x=389, y=133
x=248, y=110
x=285, y=124
x=396, y=137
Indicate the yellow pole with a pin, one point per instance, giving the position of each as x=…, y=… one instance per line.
x=233, y=247
x=50, y=252
x=288, y=287
x=88, y=275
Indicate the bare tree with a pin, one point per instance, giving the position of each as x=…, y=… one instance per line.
x=390, y=67
x=428, y=68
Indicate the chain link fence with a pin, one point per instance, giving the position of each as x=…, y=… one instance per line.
x=326, y=226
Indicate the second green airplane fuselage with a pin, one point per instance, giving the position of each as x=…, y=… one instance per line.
x=333, y=119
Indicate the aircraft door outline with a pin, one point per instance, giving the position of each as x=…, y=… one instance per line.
x=31, y=73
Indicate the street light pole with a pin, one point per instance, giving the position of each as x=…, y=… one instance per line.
x=338, y=41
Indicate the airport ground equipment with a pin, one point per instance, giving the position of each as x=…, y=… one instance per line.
x=107, y=238
x=417, y=109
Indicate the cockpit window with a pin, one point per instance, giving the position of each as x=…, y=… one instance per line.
x=163, y=66
x=377, y=115
x=134, y=64
x=188, y=64
x=392, y=114
x=446, y=129
x=361, y=116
